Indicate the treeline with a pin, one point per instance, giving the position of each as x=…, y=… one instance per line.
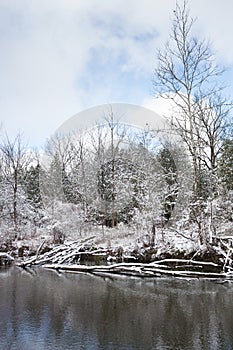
x=111, y=175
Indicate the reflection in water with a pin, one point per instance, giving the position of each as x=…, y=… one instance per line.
x=77, y=311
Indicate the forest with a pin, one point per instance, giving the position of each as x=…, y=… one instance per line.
x=133, y=192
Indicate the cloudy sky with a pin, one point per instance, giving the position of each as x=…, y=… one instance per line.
x=59, y=57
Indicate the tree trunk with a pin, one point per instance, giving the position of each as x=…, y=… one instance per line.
x=15, y=214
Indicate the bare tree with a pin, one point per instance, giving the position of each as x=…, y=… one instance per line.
x=187, y=74
x=117, y=136
x=15, y=159
x=214, y=127
x=105, y=145
x=62, y=147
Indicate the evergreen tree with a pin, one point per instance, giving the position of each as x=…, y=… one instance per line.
x=169, y=169
x=32, y=185
x=226, y=164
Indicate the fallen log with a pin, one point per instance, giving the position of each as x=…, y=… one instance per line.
x=138, y=270
x=190, y=261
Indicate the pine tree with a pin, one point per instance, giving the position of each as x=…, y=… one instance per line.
x=226, y=164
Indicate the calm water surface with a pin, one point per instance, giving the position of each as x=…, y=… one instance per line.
x=45, y=310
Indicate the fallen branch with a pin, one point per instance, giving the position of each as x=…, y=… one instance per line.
x=227, y=255
x=190, y=261
x=182, y=235
x=40, y=247
x=139, y=270
x=66, y=253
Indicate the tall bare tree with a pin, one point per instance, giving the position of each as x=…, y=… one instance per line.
x=14, y=160
x=188, y=75
x=117, y=136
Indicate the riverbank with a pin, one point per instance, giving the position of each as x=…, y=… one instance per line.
x=211, y=262
x=127, y=248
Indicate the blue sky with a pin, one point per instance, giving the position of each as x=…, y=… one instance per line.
x=59, y=57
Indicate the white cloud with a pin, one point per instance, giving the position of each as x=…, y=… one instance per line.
x=162, y=106
x=214, y=22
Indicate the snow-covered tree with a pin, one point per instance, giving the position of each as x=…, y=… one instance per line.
x=188, y=75
x=15, y=158
x=226, y=164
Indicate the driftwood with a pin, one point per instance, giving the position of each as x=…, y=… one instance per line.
x=154, y=269
x=227, y=255
x=66, y=253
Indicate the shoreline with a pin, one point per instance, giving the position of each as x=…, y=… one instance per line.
x=90, y=255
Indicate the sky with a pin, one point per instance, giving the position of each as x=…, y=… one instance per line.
x=60, y=57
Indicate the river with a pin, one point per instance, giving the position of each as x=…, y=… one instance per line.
x=45, y=310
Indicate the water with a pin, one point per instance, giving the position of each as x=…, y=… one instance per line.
x=44, y=310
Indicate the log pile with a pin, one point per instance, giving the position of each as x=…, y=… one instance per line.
x=67, y=253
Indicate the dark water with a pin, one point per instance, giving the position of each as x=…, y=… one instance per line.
x=77, y=311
